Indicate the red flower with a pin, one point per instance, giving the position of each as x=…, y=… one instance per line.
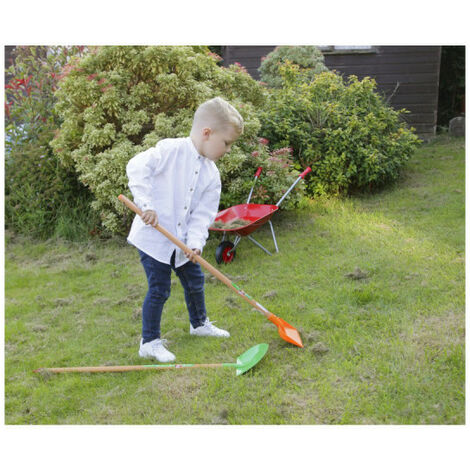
x=91, y=77
x=240, y=66
x=255, y=154
x=215, y=56
x=263, y=141
x=283, y=151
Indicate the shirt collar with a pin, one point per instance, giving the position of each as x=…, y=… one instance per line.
x=194, y=149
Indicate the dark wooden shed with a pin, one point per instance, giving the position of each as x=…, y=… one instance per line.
x=407, y=75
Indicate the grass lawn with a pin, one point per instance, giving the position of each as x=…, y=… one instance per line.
x=374, y=284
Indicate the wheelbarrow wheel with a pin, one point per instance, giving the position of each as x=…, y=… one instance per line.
x=225, y=253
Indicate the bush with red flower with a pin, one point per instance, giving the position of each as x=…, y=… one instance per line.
x=39, y=192
x=238, y=169
x=121, y=100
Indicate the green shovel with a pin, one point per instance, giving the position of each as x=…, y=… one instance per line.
x=245, y=362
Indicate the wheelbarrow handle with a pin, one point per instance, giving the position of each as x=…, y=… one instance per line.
x=301, y=176
x=258, y=172
x=305, y=172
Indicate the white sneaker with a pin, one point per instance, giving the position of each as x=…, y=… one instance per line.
x=208, y=329
x=155, y=350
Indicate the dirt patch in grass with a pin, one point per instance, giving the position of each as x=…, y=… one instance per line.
x=319, y=348
x=221, y=418
x=270, y=294
x=178, y=384
x=137, y=313
x=300, y=407
x=439, y=332
x=357, y=274
x=232, y=302
x=62, y=302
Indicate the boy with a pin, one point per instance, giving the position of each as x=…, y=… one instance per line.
x=176, y=183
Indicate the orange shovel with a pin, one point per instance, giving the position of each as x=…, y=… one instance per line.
x=286, y=332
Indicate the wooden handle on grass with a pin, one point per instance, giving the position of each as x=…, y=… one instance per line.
x=60, y=370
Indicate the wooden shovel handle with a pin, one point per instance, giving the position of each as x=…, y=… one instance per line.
x=198, y=258
x=62, y=370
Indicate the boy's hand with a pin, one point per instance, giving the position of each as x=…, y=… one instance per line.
x=150, y=217
x=192, y=256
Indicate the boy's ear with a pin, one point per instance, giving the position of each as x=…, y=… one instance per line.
x=206, y=132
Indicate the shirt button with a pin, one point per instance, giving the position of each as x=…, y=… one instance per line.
x=191, y=189
x=185, y=208
x=179, y=225
x=197, y=172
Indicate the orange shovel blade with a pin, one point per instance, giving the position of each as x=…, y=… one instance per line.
x=286, y=332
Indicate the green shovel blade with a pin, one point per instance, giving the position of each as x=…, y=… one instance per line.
x=250, y=358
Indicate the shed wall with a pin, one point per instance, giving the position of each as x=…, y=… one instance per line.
x=406, y=75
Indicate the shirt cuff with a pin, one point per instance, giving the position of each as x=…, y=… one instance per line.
x=196, y=244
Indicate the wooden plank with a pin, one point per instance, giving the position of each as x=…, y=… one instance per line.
x=405, y=58
x=253, y=62
x=409, y=100
x=430, y=118
x=407, y=49
x=408, y=89
x=393, y=78
x=382, y=69
x=420, y=126
x=415, y=108
x=241, y=52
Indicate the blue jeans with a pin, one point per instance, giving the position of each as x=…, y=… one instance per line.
x=159, y=287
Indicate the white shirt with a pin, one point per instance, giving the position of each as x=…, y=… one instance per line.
x=183, y=188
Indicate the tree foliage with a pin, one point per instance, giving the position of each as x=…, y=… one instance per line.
x=118, y=101
x=342, y=128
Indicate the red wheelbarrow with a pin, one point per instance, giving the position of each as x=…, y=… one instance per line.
x=253, y=217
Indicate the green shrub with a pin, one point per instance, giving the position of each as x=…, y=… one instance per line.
x=308, y=58
x=38, y=189
x=119, y=101
x=343, y=129
x=237, y=171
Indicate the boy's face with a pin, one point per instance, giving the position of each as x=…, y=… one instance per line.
x=216, y=143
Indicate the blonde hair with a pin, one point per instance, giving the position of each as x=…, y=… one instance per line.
x=216, y=114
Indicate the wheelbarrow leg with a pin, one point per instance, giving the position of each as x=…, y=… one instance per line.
x=274, y=236
x=235, y=243
x=259, y=244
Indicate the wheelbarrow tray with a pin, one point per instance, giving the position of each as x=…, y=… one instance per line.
x=257, y=214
